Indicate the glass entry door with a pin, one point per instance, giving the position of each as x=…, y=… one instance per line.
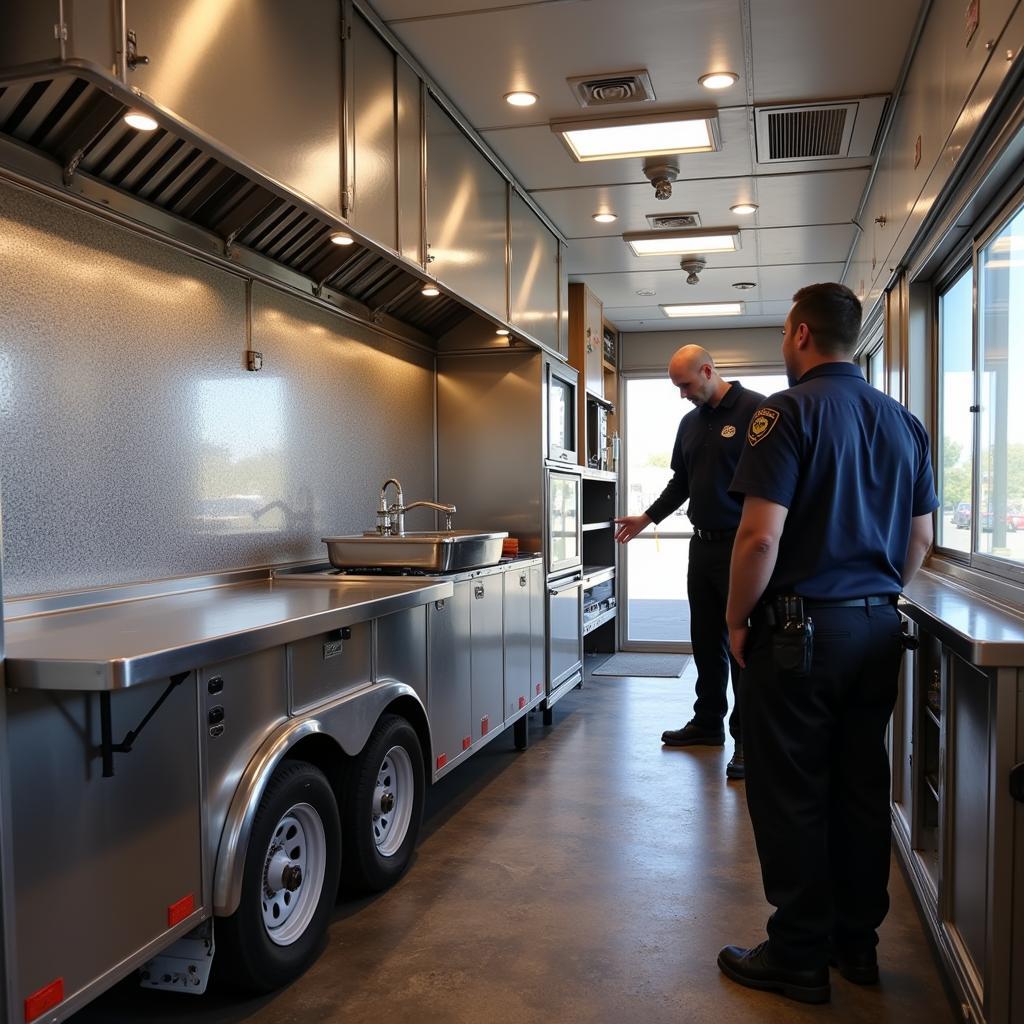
x=656, y=611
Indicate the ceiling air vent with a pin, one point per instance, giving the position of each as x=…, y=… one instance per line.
x=604, y=90
x=666, y=221
x=819, y=131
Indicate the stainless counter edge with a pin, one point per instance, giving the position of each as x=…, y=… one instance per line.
x=114, y=673
x=977, y=629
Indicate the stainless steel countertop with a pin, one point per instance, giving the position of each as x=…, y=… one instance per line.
x=127, y=643
x=979, y=630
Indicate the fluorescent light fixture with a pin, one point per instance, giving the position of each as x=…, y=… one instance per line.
x=742, y=209
x=605, y=218
x=703, y=309
x=430, y=291
x=140, y=121
x=615, y=138
x=521, y=98
x=718, y=80
x=683, y=242
x=342, y=238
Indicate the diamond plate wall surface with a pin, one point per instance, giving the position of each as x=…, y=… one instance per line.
x=134, y=445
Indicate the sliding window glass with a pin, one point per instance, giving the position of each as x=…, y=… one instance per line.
x=1000, y=477
x=956, y=421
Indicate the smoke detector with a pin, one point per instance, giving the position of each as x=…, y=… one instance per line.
x=661, y=174
x=692, y=266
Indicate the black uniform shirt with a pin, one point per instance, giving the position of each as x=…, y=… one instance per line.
x=852, y=466
x=707, y=448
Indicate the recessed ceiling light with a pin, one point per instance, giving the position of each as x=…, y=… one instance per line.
x=704, y=309
x=646, y=291
x=605, y=218
x=140, y=122
x=430, y=291
x=744, y=208
x=718, y=80
x=683, y=242
x=503, y=331
x=521, y=98
x=611, y=138
x=341, y=238
x=745, y=285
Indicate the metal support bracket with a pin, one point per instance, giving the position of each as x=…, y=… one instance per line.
x=108, y=748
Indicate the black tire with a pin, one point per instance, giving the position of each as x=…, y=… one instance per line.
x=378, y=844
x=247, y=957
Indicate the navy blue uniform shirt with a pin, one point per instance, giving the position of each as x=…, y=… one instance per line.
x=852, y=466
x=707, y=448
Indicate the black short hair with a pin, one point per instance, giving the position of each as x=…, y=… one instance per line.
x=833, y=314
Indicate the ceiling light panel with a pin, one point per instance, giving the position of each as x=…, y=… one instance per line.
x=703, y=309
x=650, y=135
x=683, y=243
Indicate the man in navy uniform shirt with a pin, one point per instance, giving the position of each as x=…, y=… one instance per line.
x=837, y=517
x=708, y=445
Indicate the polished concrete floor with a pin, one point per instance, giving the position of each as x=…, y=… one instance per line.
x=592, y=879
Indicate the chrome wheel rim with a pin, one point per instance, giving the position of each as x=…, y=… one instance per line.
x=293, y=874
x=393, y=797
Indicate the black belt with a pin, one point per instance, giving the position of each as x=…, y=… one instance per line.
x=872, y=601
x=713, y=534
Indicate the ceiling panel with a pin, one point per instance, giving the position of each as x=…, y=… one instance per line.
x=819, y=244
x=657, y=322
x=828, y=50
x=477, y=58
x=538, y=158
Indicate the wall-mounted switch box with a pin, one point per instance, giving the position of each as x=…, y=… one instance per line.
x=253, y=360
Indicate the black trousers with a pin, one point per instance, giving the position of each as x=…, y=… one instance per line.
x=818, y=780
x=707, y=589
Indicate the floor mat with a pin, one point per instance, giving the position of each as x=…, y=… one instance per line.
x=630, y=664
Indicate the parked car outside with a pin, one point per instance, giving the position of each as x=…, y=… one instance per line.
x=962, y=515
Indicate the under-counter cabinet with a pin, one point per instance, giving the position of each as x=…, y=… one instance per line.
x=955, y=739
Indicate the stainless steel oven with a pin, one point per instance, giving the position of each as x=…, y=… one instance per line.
x=563, y=541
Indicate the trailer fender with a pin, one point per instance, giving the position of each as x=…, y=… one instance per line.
x=348, y=721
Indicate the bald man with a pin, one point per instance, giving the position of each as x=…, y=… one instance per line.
x=708, y=445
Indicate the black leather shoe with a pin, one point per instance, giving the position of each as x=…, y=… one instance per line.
x=692, y=735
x=859, y=966
x=736, y=769
x=755, y=969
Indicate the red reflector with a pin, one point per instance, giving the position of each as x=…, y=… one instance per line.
x=537, y=689
x=442, y=760
x=522, y=702
x=483, y=726
x=177, y=912
x=45, y=999
x=466, y=742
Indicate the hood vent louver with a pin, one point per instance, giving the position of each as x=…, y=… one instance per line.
x=78, y=124
x=819, y=131
x=606, y=90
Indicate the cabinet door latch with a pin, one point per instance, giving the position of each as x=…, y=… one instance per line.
x=1017, y=782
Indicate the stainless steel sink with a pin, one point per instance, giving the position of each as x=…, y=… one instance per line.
x=444, y=551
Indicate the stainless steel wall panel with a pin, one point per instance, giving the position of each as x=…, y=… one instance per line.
x=252, y=693
x=466, y=214
x=215, y=63
x=136, y=445
x=410, y=163
x=323, y=667
x=375, y=161
x=136, y=849
x=534, y=273
x=401, y=649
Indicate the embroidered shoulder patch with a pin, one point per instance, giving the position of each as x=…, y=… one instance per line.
x=761, y=424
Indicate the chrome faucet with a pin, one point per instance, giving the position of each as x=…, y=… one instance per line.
x=391, y=518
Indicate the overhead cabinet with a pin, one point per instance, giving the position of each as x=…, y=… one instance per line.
x=534, y=273
x=466, y=215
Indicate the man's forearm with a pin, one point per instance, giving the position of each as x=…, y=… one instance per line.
x=753, y=561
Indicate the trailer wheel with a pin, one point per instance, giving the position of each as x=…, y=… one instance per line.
x=383, y=806
x=289, y=883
